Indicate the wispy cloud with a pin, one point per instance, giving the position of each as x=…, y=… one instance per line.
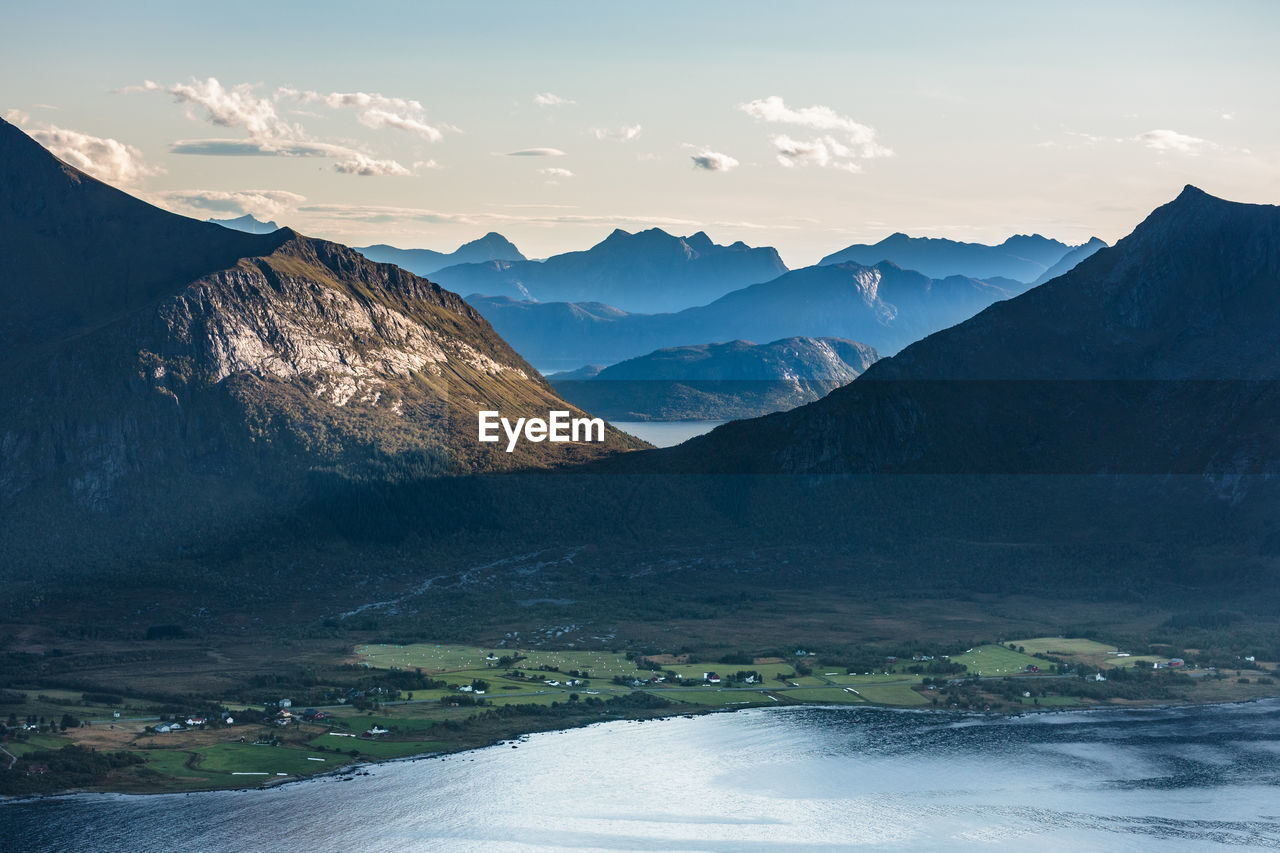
x=270, y=135
x=1172, y=140
x=106, y=159
x=16, y=116
x=547, y=99
x=846, y=144
x=536, y=152
x=556, y=173
x=712, y=161
x=265, y=204
x=359, y=164
x=626, y=133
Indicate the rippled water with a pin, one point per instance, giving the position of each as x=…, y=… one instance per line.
x=770, y=779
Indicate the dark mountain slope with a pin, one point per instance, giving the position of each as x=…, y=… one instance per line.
x=1071, y=260
x=648, y=271
x=490, y=247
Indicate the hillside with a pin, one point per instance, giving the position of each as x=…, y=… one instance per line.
x=164, y=363
x=248, y=223
x=725, y=381
x=649, y=271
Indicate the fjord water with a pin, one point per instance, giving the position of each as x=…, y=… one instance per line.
x=666, y=433
x=766, y=779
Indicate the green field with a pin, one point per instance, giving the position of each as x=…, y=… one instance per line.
x=837, y=695
x=447, y=658
x=892, y=694
x=1063, y=646
x=248, y=758
x=996, y=660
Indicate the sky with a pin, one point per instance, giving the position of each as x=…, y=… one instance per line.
x=805, y=126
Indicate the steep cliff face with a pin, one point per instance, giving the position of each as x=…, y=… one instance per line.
x=192, y=375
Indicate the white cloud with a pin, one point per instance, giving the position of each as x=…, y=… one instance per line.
x=712, y=161
x=536, y=152
x=271, y=135
x=1171, y=140
x=381, y=118
x=547, y=99
x=822, y=151
x=359, y=164
x=1228, y=116
x=426, y=164
x=17, y=117
x=848, y=142
x=264, y=204
x=626, y=133
x=556, y=173
x=106, y=159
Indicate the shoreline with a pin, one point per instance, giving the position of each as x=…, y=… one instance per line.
x=354, y=768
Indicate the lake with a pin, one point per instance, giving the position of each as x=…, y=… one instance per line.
x=666, y=433
x=813, y=779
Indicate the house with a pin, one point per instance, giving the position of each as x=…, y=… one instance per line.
x=321, y=715
x=1032, y=668
x=37, y=769
x=377, y=730
x=1097, y=676
x=285, y=703
x=1177, y=662
x=197, y=721
x=711, y=677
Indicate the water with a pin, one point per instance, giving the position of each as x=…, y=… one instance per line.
x=666, y=433
x=813, y=779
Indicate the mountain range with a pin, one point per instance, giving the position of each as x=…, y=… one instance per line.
x=248, y=223
x=1021, y=258
x=151, y=361
x=1157, y=356
x=649, y=271
x=737, y=379
x=491, y=247
x=883, y=306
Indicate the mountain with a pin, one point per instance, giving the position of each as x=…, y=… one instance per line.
x=738, y=379
x=1157, y=356
x=1023, y=258
x=650, y=271
x=167, y=375
x=883, y=306
x=247, y=223
x=1070, y=260
x=491, y=247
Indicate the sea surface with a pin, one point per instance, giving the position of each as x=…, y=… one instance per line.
x=666, y=433
x=813, y=779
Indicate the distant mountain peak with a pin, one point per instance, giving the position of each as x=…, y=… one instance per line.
x=248, y=223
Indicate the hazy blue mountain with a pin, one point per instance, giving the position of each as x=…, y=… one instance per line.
x=737, y=379
x=248, y=223
x=1023, y=258
x=1069, y=261
x=491, y=247
x=883, y=306
x=1156, y=356
x=650, y=271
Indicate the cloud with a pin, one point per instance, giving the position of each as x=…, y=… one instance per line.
x=713, y=161
x=556, y=173
x=269, y=135
x=359, y=164
x=264, y=204
x=847, y=143
x=1171, y=140
x=625, y=133
x=536, y=152
x=1224, y=116
x=546, y=99
x=106, y=159
x=426, y=164
x=17, y=117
